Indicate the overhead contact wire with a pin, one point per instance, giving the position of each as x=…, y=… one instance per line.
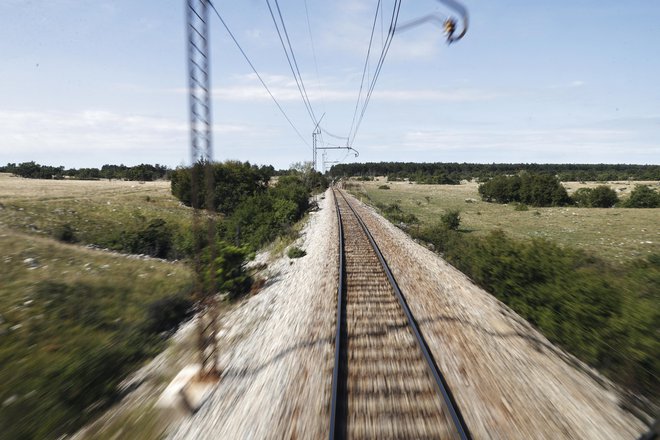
x=383, y=55
x=364, y=68
x=301, y=89
x=263, y=83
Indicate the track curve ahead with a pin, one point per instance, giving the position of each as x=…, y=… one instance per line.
x=386, y=383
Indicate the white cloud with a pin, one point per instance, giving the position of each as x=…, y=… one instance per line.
x=291, y=93
x=93, y=130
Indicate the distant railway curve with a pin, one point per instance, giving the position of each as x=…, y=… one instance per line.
x=386, y=383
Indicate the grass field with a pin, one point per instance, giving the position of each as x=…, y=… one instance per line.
x=616, y=234
x=72, y=318
x=98, y=211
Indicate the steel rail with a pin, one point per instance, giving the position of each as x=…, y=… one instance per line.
x=340, y=317
x=440, y=381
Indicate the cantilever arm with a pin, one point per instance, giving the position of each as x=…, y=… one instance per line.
x=462, y=11
x=449, y=24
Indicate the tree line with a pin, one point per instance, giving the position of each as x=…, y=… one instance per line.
x=541, y=189
x=142, y=172
x=447, y=173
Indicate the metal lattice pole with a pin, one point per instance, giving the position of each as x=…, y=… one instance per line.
x=201, y=148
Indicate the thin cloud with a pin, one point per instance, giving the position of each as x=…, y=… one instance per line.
x=94, y=130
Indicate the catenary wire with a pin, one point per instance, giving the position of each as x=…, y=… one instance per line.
x=364, y=68
x=289, y=57
x=263, y=83
x=316, y=64
x=383, y=55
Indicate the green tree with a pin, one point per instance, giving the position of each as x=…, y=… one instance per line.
x=451, y=219
x=643, y=197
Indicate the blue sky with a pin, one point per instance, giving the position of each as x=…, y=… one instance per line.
x=89, y=83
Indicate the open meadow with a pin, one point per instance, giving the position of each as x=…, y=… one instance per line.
x=616, y=234
x=75, y=320
x=98, y=211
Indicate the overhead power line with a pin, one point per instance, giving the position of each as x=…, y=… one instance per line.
x=343, y=138
x=263, y=83
x=291, y=59
x=316, y=64
x=364, y=68
x=379, y=66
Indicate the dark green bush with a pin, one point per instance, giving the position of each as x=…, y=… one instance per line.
x=600, y=197
x=165, y=314
x=154, y=240
x=233, y=182
x=605, y=314
x=643, y=197
x=394, y=213
x=383, y=187
x=534, y=189
x=451, y=219
x=65, y=233
x=229, y=270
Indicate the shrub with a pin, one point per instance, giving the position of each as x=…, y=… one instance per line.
x=165, y=315
x=521, y=207
x=535, y=189
x=154, y=240
x=582, y=197
x=451, y=219
x=394, y=213
x=580, y=302
x=643, y=197
x=383, y=187
x=296, y=252
x=230, y=274
x=600, y=197
x=603, y=197
x=65, y=233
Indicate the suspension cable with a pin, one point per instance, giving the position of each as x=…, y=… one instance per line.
x=263, y=83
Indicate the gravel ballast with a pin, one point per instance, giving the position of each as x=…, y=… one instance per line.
x=277, y=352
x=509, y=381
x=277, y=349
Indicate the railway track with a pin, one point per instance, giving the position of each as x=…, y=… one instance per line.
x=385, y=383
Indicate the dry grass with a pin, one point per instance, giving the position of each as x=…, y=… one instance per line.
x=95, y=209
x=32, y=340
x=616, y=234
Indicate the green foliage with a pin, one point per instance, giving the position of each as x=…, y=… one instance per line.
x=532, y=189
x=154, y=240
x=295, y=252
x=521, y=207
x=437, y=178
x=33, y=170
x=451, y=219
x=65, y=233
x=165, y=314
x=643, y=197
x=383, y=187
x=396, y=171
x=257, y=220
x=230, y=275
x=605, y=314
x=600, y=197
x=233, y=182
x=65, y=366
x=394, y=213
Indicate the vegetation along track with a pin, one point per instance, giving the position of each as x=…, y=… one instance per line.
x=386, y=383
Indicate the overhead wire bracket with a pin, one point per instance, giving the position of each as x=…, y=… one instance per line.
x=449, y=24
